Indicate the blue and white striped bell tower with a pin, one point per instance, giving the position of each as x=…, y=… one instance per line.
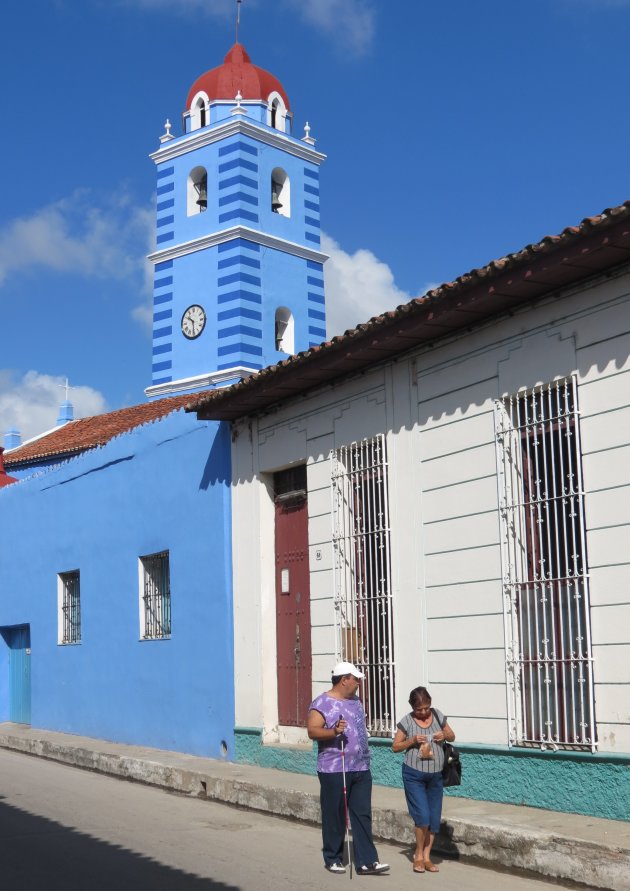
x=238, y=268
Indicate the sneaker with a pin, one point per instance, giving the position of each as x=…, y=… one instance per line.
x=335, y=867
x=375, y=869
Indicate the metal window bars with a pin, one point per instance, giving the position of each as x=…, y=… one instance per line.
x=545, y=571
x=362, y=572
x=156, y=596
x=70, y=607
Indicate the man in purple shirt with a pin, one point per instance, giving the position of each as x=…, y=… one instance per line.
x=333, y=717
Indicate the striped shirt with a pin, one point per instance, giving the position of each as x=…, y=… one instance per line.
x=412, y=755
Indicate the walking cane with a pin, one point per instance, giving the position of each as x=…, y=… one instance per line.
x=345, y=798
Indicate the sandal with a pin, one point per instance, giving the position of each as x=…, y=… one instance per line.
x=418, y=865
x=430, y=867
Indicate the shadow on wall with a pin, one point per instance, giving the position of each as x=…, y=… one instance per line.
x=41, y=853
x=449, y=382
x=217, y=469
x=539, y=358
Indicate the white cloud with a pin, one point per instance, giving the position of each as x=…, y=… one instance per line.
x=212, y=8
x=215, y=9
x=358, y=286
x=143, y=314
x=31, y=403
x=350, y=23
x=76, y=236
x=429, y=286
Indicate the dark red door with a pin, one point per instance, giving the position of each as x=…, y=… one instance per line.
x=293, y=602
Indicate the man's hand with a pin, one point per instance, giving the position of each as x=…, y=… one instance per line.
x=340, y=726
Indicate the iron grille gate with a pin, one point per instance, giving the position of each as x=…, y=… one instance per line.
x=545, y=570
x=363, y=597
x=70, y=607
x=156, y=596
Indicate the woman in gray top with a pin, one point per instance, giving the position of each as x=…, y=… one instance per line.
x=419, y=736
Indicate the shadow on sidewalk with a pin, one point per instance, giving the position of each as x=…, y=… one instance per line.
x=42, y=855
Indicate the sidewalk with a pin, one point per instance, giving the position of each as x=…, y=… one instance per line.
x=593, y=851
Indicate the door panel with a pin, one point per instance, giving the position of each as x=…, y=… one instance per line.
x=293, y=608
x=20, y=675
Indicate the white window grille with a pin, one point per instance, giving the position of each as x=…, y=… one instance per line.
x=545, y=569
x=69, y=587
x=363, y=597
x=155, y=596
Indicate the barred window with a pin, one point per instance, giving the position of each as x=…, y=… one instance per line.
x=155, y=596
x=363, y=597
x=545, y=568
x=69, y=588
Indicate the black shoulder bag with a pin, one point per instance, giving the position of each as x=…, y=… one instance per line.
x=452, y=770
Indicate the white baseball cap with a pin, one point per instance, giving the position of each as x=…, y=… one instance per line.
x=342, y=668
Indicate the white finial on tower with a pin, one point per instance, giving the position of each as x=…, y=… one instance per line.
x=307, y=135
x=239, y=109
x=167, y=132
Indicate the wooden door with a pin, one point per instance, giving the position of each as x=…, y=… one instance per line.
x=293, y=600
x=20, y=675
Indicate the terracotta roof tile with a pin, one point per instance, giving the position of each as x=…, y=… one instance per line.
x=5, y=479
x=88, y=433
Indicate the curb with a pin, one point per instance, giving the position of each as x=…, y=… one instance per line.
x=486, y=841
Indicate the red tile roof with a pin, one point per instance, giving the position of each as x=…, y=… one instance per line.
x=5, y=479
x=88, y=433
x=595, y=246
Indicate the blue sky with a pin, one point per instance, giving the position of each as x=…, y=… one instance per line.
x=456, y=131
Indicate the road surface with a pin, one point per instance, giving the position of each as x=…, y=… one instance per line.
x=64, y=828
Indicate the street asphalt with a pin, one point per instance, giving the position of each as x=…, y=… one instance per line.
x=552, y=845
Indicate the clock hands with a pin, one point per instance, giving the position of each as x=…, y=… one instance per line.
x=193, y=322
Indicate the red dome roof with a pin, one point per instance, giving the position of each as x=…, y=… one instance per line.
x=237, y=73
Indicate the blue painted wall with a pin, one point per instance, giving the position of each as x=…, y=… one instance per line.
x=163, y=486
x=572, y=782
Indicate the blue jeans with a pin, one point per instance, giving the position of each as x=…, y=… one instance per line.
x=359, y=788
x=424, y=793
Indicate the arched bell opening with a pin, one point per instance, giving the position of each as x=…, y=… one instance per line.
x=280, y=192
x=197, y=191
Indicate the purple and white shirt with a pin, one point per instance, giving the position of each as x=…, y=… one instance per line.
x=355, y=738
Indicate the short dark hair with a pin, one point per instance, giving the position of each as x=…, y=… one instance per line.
x=419, y=694
x=339, y=677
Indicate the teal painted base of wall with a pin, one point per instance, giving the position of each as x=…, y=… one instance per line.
x=571, y=782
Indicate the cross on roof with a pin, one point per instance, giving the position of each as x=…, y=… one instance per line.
x=66, y=387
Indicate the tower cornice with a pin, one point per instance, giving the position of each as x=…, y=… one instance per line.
x=262, y=238
x=199, y=138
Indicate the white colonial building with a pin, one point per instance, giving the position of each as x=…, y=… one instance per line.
x=442, y=495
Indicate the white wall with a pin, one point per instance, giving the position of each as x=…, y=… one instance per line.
x=437, y=411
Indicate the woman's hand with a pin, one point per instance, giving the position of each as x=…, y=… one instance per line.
x=439, y=736
x=419, y=739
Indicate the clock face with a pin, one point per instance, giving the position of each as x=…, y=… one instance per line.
x=193, y=321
